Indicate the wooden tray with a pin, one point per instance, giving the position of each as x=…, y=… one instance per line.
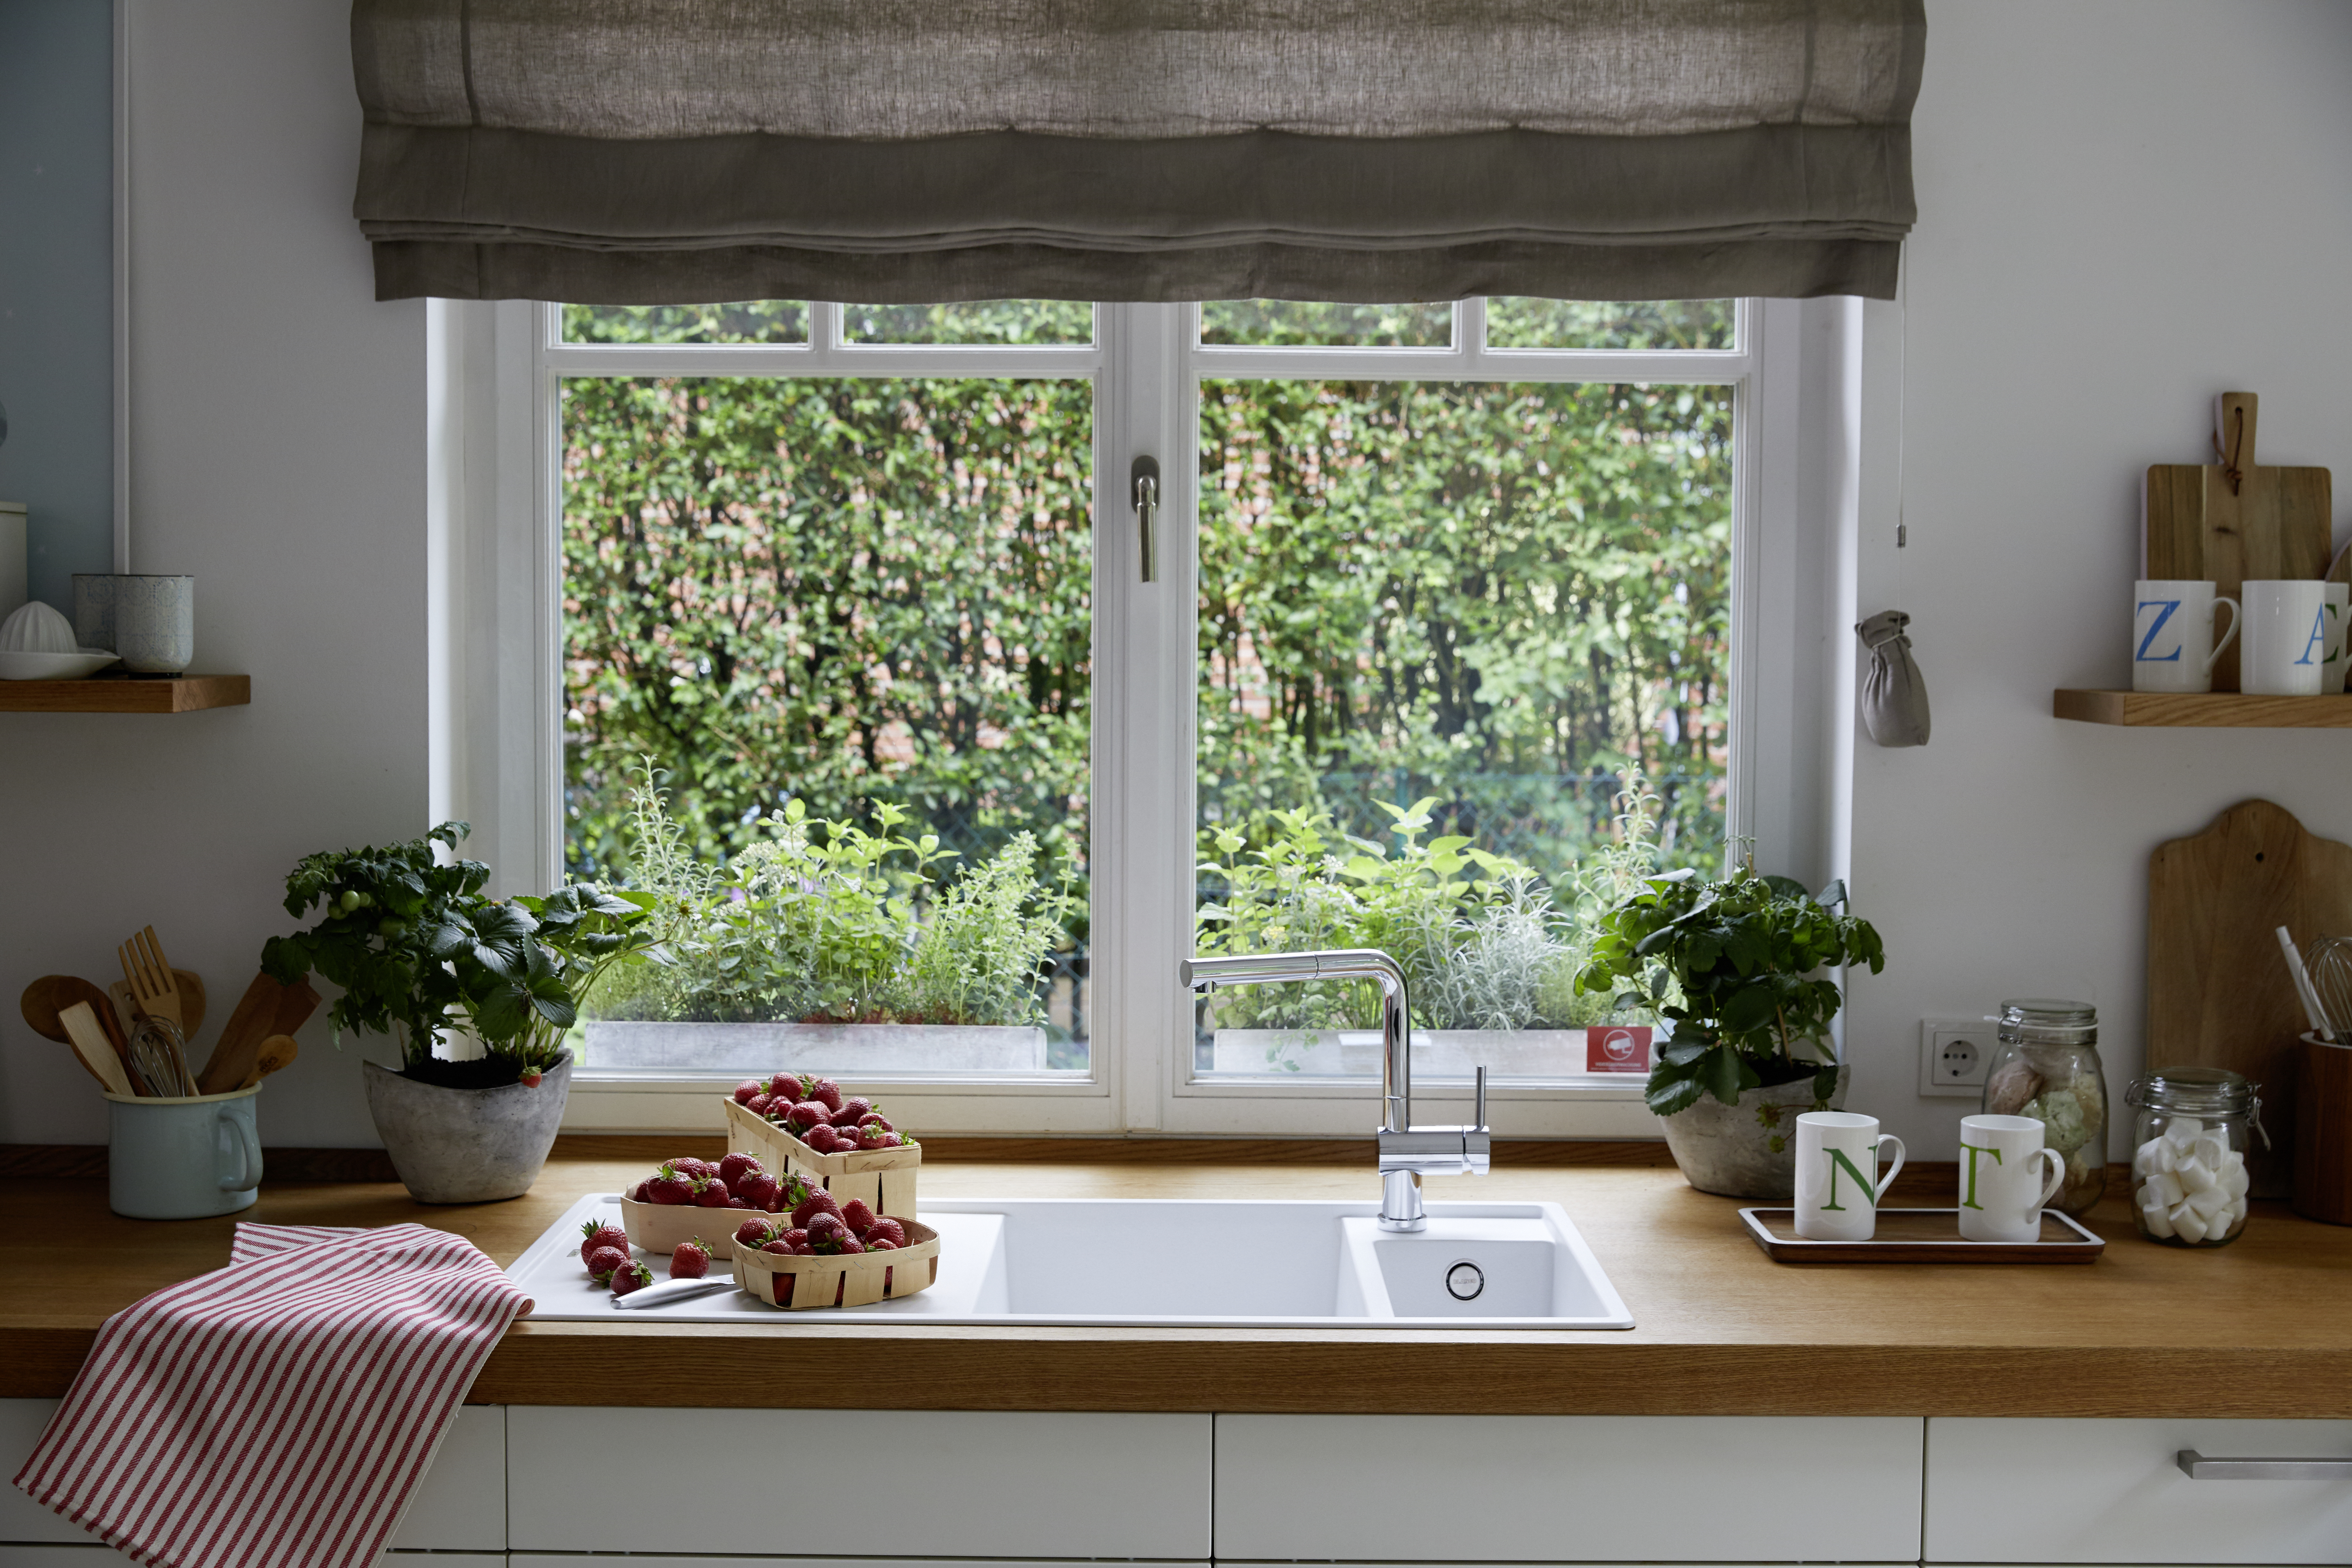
x=854, y=1279
x=1921, y=1236
x=883, y=1179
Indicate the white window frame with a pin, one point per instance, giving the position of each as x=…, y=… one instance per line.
x=495, y=562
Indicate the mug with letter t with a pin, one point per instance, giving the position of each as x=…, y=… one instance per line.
x=1838, y=1183
x=2173, y=645
x=2002, y=1189
x=2286, y=649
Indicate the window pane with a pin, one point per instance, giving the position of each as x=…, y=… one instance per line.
x=848, y=623
x=983, y=321
x=1523, y=323
x=1289, y=322
x=747, y=321
x=1438, y=625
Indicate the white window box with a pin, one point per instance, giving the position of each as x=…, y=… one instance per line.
x=837, y=1050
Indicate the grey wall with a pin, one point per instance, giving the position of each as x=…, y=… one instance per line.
x=56, y=283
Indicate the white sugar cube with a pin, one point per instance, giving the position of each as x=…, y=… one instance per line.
x=2183, y=1131
x=2152, y=1156
x=2190, y=1225
x=2159, y=1224
x=2210, y=1201
x=2168, y=1187
x=2195, y=1177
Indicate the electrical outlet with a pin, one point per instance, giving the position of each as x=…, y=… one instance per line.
x=1953, y=1053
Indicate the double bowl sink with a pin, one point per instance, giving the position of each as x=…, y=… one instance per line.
x=1184, y=1263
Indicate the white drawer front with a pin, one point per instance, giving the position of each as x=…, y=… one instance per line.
x=1559, y=1489
x=941, y=1483
x=22, y=1518
x=2054, y=1492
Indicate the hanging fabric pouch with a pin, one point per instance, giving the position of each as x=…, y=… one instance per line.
x=1894, y=695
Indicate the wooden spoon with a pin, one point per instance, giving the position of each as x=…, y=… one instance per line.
x=51, y=994
x=275, y=1053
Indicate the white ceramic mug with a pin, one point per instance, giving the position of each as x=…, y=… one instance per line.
x=1838, y=1183
x=2173, y=646
x=2331, y=674
x=2285, y=647
x=182, y=1158
x=2001, y=1193
x=155, y=623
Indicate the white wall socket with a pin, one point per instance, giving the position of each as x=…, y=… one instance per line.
x=1953, y=1053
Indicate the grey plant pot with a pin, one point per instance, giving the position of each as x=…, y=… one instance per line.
x=1747, y=1150
x=468, y=1146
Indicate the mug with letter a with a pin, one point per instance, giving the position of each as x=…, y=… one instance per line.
x=2173, y=645
x=2286, y=649
x=2002, y=1188
x=2331, y=674
x=1838, y=1183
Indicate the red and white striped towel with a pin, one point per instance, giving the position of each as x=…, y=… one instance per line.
x=278, y=1413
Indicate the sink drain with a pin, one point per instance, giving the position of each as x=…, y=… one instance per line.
x=1464, y=1280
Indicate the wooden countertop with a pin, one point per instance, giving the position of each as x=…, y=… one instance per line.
x=2263, y=1328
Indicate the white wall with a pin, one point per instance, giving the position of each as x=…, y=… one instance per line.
x=2125, y=207
x=277, y=428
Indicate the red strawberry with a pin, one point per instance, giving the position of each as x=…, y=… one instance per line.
x=746, y=1090
x=876, y=1118
x=878, y=1243
x=691, y=1260
x=825, y=1092
x=604, y=1261
x=735, y=1167
x=778, y=1245
x=822, y=1138
x=759, y=1191
x=601, y=1233
x=848, y=1244
x=637, y=1194
x=758, y=1104
x=815, y=1204
x=856, y=1217
x=710, y=1192
x=853, y=1110
x=805, y=1250
x=872, y=1137
x=785, y=1086
x=630, y=1277
x=807, y=1113
x=530, y=1078
x=693, y=1168
x=886, y=1229
x=754, y=1233
x=795, y=1238
x=820, y=1225
x=669, y=1185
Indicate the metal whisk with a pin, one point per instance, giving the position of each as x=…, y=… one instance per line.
x=2330, y=963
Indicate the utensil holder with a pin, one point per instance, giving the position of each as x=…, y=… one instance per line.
x=182, y=1158
x=2323, y=1132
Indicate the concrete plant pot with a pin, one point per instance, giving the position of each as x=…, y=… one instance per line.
x=468, y=1146
x=1747, y=1150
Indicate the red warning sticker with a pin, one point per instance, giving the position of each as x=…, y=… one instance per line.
x=1617, y=1048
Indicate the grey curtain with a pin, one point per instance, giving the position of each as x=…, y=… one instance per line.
x=647, y=151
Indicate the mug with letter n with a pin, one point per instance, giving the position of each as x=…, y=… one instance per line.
x=1838, y=1183
x=2001, y=1190
x=2173, y=645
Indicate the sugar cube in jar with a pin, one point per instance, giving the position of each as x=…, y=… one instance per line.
x=2189, y=1181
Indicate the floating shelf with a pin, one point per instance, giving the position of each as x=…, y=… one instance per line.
x=126, y=694
x=2233, y=709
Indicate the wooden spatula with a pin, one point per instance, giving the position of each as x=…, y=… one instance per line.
x=91, y=1046
x=45, y=999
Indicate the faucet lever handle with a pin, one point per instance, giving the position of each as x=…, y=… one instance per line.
x=1480, y=1119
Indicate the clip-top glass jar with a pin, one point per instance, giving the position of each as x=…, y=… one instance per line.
x=2189, y=1154
x=2045, y=1065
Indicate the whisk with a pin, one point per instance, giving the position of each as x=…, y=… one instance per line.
x=2330, y=963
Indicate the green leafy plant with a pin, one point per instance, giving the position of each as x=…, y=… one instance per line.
x=1736, y=966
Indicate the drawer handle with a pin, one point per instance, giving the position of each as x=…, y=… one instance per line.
x=2198, y=1467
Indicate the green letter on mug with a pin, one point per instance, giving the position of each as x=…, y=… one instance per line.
x=1837, y=1158
x=1968, y=1201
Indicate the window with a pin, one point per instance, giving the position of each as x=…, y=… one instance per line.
x=1424, y=575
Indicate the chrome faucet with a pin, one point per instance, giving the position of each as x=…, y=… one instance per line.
x=1407, y=1153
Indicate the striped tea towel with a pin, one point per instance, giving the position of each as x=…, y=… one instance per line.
x=278, y=1413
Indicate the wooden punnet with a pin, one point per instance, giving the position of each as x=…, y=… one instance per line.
x=884, y=1179
x=856, y=1279
x=657, y=1229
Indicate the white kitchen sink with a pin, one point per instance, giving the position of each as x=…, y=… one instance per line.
x=1181, y=1263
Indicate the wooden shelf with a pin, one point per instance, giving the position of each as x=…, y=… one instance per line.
x=2235, y=710
x=126, y=694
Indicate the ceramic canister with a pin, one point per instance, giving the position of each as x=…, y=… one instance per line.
x=184, y=1158
x=155, y=623
x=93, y=609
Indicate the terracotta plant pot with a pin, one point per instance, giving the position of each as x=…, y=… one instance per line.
x=468, y=1146
x=1747, y=1150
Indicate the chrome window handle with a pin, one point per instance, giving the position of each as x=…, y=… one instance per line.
x=2198, y=1467
x=1145, y=479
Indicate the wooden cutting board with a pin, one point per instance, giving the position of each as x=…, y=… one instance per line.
x=2218, y=990
x=2199, y=524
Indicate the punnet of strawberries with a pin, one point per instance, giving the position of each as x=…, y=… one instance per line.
x=737, y=1181
x=813, y=1111
x=818, y=1227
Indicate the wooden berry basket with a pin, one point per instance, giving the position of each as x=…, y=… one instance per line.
x=854, y=1279
x=657, y=1229
x=883, y=1179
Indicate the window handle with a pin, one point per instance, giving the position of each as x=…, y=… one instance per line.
x=1145, y=479
x=2198, y=1467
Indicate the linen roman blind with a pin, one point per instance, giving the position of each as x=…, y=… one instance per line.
x=650, y=151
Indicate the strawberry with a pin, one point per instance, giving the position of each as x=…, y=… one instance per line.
x=746, y=1090
x=691, y=1260
x=872, y=1137
x=785, y=1086
x=847, y=1243
x=759, y=1191
x=710, y=1192
x=601, y=1233
x=807, y=1113
x=637, y=1194
x=795, y=1238
x=824, y=1092
x=778, y=1245
x=735, y=1167
x=815, y=1204
x=878, y=1243
x=886, y=1229
x=876, y=1118
x=604, y=1261
x=758, y=1104
x=693, y=1168
x=822, y=1138
x=823, y=1225
x=630, y=1277
x=852, y=1111
x=530, y=1079
x=669, y=1185
x=858, y=1216
x=754, y=1233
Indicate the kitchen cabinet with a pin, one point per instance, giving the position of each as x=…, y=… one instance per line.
x=2060, y=1491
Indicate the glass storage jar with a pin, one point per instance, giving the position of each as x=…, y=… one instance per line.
x=2189, y=1154
x=2045, y=1065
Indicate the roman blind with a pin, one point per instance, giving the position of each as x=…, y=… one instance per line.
x=651, y=151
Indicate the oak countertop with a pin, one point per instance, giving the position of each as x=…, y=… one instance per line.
x=2263, y=1328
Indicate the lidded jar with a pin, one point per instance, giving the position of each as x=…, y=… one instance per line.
x=2189, y=1154
x=2045, y=1063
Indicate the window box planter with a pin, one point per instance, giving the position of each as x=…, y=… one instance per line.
x=1436, y=1053
x=839, y=1050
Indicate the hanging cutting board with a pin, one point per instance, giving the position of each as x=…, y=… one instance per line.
x=2201, y=523
x=2218, y=990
